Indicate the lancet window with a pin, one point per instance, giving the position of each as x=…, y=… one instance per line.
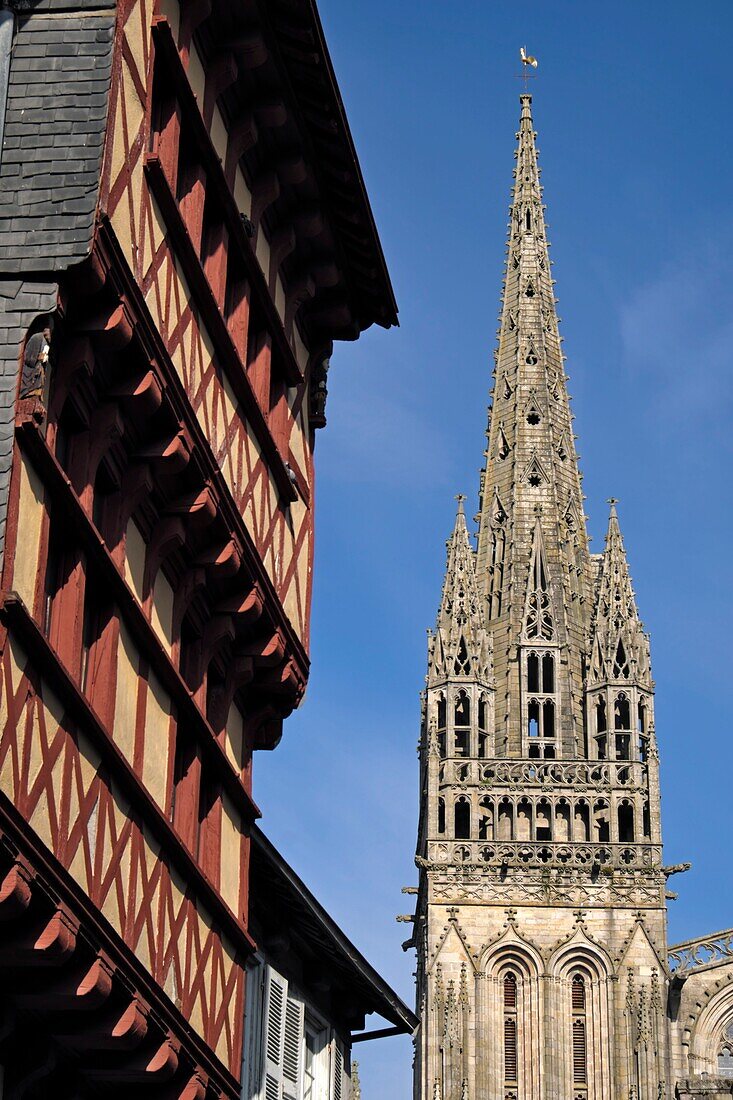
x=462, y=819
x=541, y=705
x=462, y=725
x=483, y=726
x=622, y=721
x=626, y=822
x=511, y=1060
x=580, y=1043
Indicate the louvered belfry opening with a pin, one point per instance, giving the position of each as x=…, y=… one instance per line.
x=580, y=1052
x=510, y=1033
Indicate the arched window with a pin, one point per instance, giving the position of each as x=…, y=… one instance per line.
x=442, y=713
x=441, y=815
x=486, y=820
x=626, y=823
x=548, y=674
x=544, y=820
x=562, y=820
x=580, y=1053
x=483, y=715
x=504, y=831
x=725, y=1054
x=581, y=823
x=510, y=1030
x=533, y=672
x=548, y=718
x=622, y=712
x=462, y=819
x=600, y=714
x=462, y=710
x=524, y=819
x=601, y=822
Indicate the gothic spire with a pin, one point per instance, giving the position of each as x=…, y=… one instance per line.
x=460, y=645
x=531, y=478
x=619, y=646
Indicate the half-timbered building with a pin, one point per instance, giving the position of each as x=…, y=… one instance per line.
x=184, y=233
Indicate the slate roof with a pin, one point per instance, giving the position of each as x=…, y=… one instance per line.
x=50, y=163
x=278, y=896
x=53, y=137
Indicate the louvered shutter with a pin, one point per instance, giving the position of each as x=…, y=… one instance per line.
x=510, y=1051
x=252, y=1068
x=579, y=1055
x=337, y=1083
x=276, y=997
x=292, y=1047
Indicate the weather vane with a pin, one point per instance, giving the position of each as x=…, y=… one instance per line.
x=528, y=63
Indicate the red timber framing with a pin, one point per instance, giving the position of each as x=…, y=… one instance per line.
x=156, y=584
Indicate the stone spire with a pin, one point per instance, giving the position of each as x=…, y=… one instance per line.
x=531, y=521
x=619, y=647
x=460, y=646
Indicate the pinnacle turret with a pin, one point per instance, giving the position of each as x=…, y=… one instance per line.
x=619, y=647
x=460, y=645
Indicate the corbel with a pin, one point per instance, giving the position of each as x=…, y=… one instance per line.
x=251, y=49
x=115, y=1032
x=195, y=1089
x=264, y=727
x=105, y=429
x=292, y=169
x=143, y=392
x=300, y=291
x=198, y=507
x=75, y=361
x=218, y=630
x=265, y=190
x=173, y=450
x=243, y=135
x=267, y=650
x=239, y=673
x=137, y=485
x=113, y=326
x=194, y=581
x=15, y=892
x=90, y=276
x=221, y=560
x=334, y=317
x=164, y=1063
x=284, y=680
x=193, y=14
x=220, y=75
x=247, y=608
x=57, y=941
x=168, y=535
x=271, y=114
x=309, y=221
x=281, y=245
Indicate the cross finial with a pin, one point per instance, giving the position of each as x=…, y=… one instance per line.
x=460, y=497
x=511, y=916
x=612, y=501
x=579, y=915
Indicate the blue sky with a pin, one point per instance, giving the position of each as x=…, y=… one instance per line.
x=632, y=105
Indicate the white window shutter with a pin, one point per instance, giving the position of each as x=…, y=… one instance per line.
x=276, y=997
x=293, y=1047
x=337, y=1083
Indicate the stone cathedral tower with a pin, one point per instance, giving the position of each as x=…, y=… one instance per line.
x=541, y=924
